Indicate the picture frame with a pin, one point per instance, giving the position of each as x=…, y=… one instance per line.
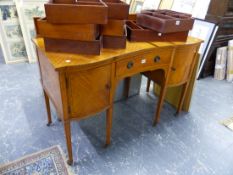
x=27, y=10
x=11, y=38
x=207, y=51
x=12, y=31
x=206, y=31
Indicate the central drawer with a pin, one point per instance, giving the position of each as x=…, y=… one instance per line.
x=151, y=60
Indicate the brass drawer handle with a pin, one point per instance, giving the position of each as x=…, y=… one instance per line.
x=130, y=65
x=157, y=59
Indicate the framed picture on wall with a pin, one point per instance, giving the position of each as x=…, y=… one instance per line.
x=11, y=37
x=27, y=10
x=205, y=31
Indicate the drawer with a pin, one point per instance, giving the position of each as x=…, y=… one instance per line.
x=81, y=32
x=148, y=61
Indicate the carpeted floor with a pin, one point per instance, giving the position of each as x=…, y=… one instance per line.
x=193, y=144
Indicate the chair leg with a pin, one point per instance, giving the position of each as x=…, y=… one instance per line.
x=160, y=104
x=68, y=142
x=148, y=85
x=108, y=125
x=48, y=109
x=182, y=97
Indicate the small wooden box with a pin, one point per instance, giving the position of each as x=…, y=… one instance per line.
x=114, y=42
x=73, y=46
x=82, y=12
x=117, y=9
x=140, y=34
x=113, y=28
x=81, y=32
x=165, y=21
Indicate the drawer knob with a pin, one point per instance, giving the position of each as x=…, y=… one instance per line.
x=173, y=69
x=157, y=59
x=107, y=86
x=130, y=65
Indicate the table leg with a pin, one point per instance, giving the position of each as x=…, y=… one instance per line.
x=68, y=142
x=108, y=125
x=48, y=108
x=160, y=103
x=127, y=87
x=148, y=85
x=182, y=97
x=110, y=109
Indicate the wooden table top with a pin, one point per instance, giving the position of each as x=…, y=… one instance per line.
x=63, y=60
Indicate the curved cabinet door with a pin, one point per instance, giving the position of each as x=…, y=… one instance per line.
x=88, y=91
x=183, y=63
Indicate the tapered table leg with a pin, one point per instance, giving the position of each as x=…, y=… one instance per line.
x=48, y=109
x=68, y=142
x=160, y=104
x=148, y=85
x=110, y=109
x=127, y=87
x=108, y=125
x=182, y=97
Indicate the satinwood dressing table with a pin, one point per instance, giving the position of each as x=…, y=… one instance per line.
x=80, y=86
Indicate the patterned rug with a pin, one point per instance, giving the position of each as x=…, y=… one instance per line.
x=228, y=123
x=46, y=162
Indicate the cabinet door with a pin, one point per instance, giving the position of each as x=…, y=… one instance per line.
x=182, y=64
x=88, y=91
